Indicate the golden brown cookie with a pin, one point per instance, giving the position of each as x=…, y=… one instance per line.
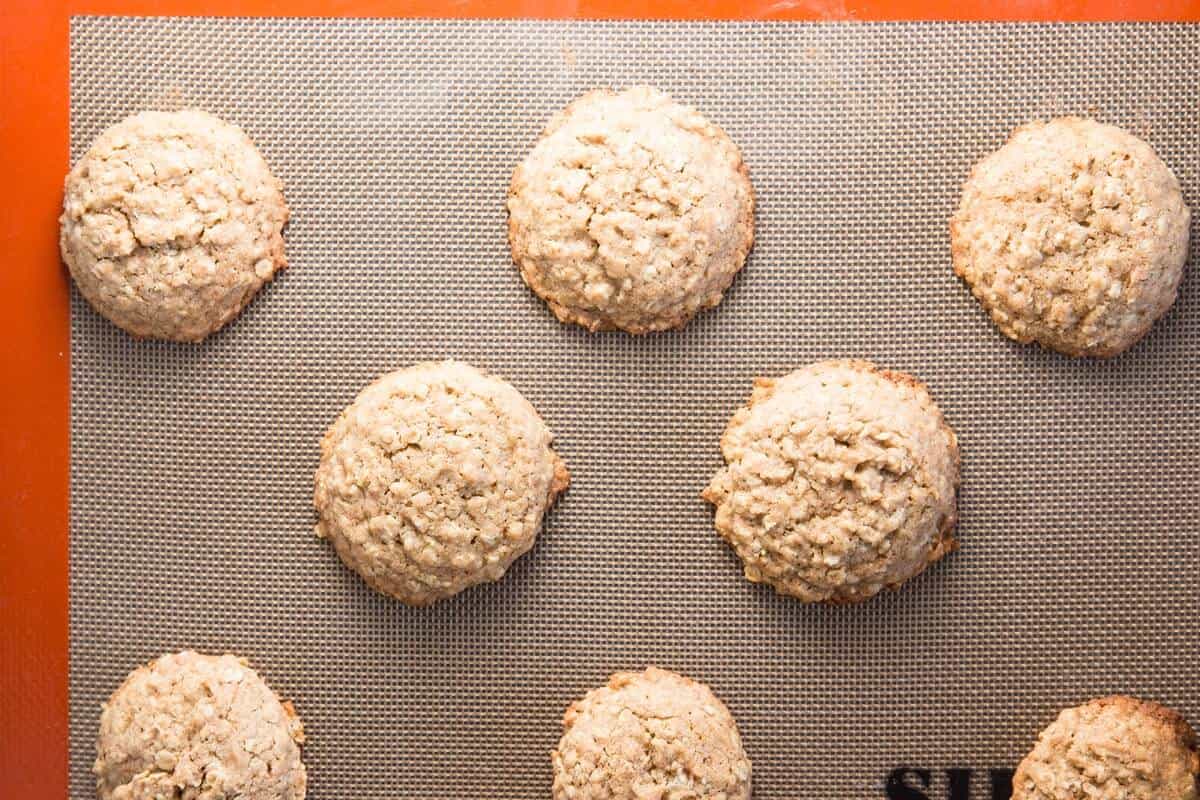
x=650, y=734
x=1073, y=235
x=171, y=223
x=435, y=479
x=840, y=479
x=632, y=212
x=198, y=726
x=1114, y=748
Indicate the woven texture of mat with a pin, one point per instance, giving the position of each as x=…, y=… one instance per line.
x=192, y=465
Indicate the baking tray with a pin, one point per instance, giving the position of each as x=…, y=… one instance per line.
x=191, y=521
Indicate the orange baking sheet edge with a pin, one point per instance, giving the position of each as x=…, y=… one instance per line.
x=34, y=333
x=1040, y=10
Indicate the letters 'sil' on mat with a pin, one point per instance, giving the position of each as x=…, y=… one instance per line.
x=192, y=465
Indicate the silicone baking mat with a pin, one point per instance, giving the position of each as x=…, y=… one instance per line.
x=192, y=465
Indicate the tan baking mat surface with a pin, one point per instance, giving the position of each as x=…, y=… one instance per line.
x=192, y=465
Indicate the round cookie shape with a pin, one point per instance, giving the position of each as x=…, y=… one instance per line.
x=632, y=212
x=841, y=479
x=1074, y=235
x=192, y=725
x=435, y=479
x=171, y=223
x=1114, y=748
x=650, y=734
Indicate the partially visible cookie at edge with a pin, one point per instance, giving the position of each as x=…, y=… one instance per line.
x=1113, y=748
x=193, y=725
x=1074, y=234
x=650, y=734
x=632, y=212
x=841, y=479
x=434, y=479
x=171, y=223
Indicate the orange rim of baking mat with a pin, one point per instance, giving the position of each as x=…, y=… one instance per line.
x=34, y=292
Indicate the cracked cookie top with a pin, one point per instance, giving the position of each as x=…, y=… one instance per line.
x=632, y=212
x=198, y=726
x=171, y=222
x=435, y=479
x=653, y=735
x=1074, y=235
x=840, y=479
x=1114, y=748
